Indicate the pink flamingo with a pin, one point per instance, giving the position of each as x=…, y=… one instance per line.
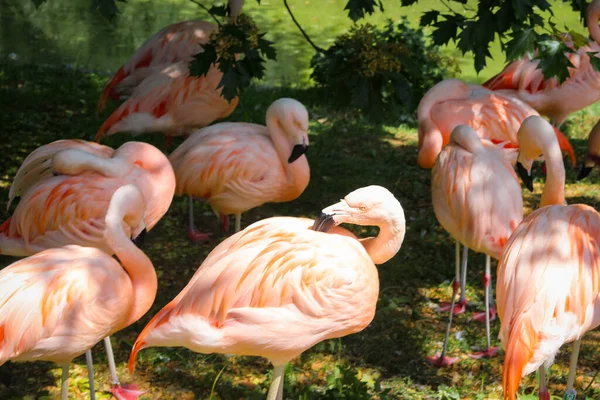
x=57, y=304
x=494, y=116
x=477, y=198
x=523, y=79
x=66, y=187
x=277, y=288
x=239, y=166
x=592, y=155
x=548, y=286
x=173, y=44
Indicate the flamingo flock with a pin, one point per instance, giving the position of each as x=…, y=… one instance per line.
x=283, y=284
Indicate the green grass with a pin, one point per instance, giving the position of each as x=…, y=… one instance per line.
x=44, y=104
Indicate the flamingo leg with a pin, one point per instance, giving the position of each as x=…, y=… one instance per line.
x=543, y=395
x=64, y=387
x=461, y=306
x=276, y=389
x=238, y=222
x=193, y=234
x=168, y=142
x=489, y=351
x=90, y=368
x=570, y=393
x=121, y=392
x=225, y=221
x=442, y=360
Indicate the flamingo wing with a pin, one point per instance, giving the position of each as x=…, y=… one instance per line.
x=548, y=286
x=38, y=164
x=275, y=279
x=172, y=44
x=53, y=305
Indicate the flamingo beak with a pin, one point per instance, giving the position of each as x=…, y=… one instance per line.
x=139, y=239
x=323, y=223
x=525, y=176
x=331, y=216
x=297, y=152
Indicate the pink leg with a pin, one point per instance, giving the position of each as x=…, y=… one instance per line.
x=225, y=221
x=121, y=392
x=461, y=306
x=544, y=395
x=193, y=234
x=489, y=351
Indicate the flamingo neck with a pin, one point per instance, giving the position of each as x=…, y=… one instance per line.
x=384, y=246
x=137, y=265
x=297, y=172
x=593, y=14
x=554, y=189
x=75, y=161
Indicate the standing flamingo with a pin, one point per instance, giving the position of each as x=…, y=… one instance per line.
x=492, y=115
x=592, y=155
x=523, y=79
x=277, y=288
x=477, y=198
x=548, y=285
x=57, y=304
x=173, y=44
x=239, y=166
x=66, y=187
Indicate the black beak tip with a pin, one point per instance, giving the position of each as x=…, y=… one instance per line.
x=323, y=223
x=584, y=172
x=297, y=152
x=139, y=240
x=527, y=179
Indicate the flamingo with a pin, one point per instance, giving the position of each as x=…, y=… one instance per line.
x=66, y=188
x=173, y=44
x=277, y=288
x=592, y=155
x=548, y=286
x=239, y=166
x=58, y=303
x=477, y=198
x=494, y=116
x=523, y=79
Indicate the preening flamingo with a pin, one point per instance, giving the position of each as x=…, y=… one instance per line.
x=477, y=198
x=592, y=155
x=59, y=303
x=173, y=44
x=277, y=288
x=66, y=187
x=239, y=166
x=492, y=115
x=548, y=287
x=523, y=79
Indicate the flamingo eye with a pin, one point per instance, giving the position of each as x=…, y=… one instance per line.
x=362, y=208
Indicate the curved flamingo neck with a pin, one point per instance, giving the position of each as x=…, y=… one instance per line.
x=592, y=16
x=384, y=246
x=128, y=201
x=298, y=172
x=75, y=161
x=554, y=189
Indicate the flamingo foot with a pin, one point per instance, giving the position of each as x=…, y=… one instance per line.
x=438, y=361
x=225, y=220
x=198, y=237
x=491, y=352
x=459, y=308
x=480, y=316
x=126, y=392
x=544, y=395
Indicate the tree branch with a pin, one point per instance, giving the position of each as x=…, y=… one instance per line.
x=208, y=11
x=317, y=48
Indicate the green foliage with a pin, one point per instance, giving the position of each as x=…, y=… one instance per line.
x=518, y=24
x=358, y=8
x=238, y=49
x=383, y=70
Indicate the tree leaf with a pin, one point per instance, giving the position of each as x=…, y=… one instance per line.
x=203, y=61
x=447, y=28
x=38, y=3
x=553, y=61
x=266, y=48
x=429, y=17
x=594, y=60
x=219, y=11
x=358, y=8
x=521, y=43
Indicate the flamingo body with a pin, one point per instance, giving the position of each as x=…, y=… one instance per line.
x=548, y=287
x=69, y=208
x=492, y=115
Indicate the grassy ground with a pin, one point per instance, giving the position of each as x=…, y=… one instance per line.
x=386, y=360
